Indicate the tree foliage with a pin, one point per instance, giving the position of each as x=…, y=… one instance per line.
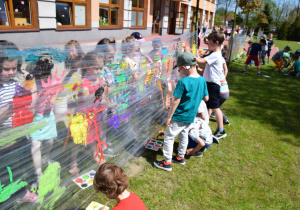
x=293, y=31
x=262, y=19
x=250, y=6
x=282, y=31
x=239, y=19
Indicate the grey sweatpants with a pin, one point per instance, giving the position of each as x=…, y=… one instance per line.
x=171, y=132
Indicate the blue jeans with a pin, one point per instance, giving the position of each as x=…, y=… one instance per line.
x=263, y=55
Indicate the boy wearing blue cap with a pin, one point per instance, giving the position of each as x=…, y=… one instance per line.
x=189, y=92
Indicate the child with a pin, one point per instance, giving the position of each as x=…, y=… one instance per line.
x=264, y=49
x=212, y=73
x=188, y=94
x=255, y=54
x=45, y=100
x=111, y=180
x=270, y=46
x=277, y=58
x=295, y=67
x=224, y=52
x=200, y=136
x=10, y=63
x=157, y=47
x=250, y=42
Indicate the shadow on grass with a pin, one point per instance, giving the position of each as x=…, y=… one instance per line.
x=274, y=101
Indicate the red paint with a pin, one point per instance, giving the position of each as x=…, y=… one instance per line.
x=79, y=180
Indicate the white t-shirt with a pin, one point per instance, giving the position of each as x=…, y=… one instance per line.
x=202, y=108
x=199, y=128
x=214, y=67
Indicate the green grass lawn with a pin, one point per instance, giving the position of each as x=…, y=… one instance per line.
x=255, y=167
x=282, y=43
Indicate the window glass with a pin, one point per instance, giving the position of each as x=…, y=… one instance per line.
x=79, y=14
x=3, y=14
x=134, y=3
x=133, y=18
x=22, y=12
x=140, y=18
x=115, y=1
x=141, y=4
x=104, y=16
x=63, y=13
x=156, y=3
x=114, y=16
x=104, y=1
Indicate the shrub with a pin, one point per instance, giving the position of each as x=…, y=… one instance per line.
x=293, y=31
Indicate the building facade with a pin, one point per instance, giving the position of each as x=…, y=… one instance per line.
x=50, y=22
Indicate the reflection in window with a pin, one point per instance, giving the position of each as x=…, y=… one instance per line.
x=140, y=18
x=114, y=16
x=3, y=14
x=115, y=1
x=104, y=1
x=133, y=18
x=22, y=12
x=104, y=16
x=79, y=14
x=63, y=14
x=134, y=3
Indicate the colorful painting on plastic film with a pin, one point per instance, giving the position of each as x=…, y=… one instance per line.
x=65, y=110
x=238, y=45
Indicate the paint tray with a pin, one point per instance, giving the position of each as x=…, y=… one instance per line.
x=154, y=144
x=95, y=206
x=85, y=180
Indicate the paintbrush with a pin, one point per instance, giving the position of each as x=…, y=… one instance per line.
x=104, y=207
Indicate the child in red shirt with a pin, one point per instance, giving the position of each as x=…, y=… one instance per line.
x=111, y=180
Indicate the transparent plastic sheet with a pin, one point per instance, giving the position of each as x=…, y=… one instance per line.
x=79, y=105
x=237, y=47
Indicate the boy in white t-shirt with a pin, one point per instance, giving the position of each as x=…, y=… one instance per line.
x=212, y=74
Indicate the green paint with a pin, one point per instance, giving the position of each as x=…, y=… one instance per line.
x=10, y=174
x=123, y=106
x=85, y=176
x=6, y=192
x=49, y=182
x=127, y=93
x=162, y=77
x=141, y=87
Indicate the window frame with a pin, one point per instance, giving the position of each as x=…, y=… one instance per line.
x=120, y=14
x=145, y=10
x=12, y=28
x=87, y=25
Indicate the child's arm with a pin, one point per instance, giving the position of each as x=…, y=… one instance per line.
x=197, y=148
x=201, y=115
x=201, y=61
x=174, y=106
x=225, y=69
x=5, y=113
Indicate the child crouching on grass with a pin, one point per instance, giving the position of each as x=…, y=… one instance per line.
x=111, y=180
x=295, y=67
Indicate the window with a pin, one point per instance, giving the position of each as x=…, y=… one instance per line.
x=138, y=13
x=110, y=13
x=72, y=13
x=18, y=14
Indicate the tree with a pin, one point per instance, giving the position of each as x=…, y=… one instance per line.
x=282, y=31
x=239, y=19
x=269, y=17
x=293, y=30
x=226, y=4
x=249, y=6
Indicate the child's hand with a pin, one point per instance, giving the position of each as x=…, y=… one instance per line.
x=168, y=122
x=160, y=133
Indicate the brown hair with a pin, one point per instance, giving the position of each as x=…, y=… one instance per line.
x=91, y=59
x=73, y=64
x=216, y=36
x=111, y=180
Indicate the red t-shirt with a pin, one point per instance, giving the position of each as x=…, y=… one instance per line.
x=132, y=202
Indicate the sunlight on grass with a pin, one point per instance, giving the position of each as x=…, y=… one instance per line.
x=255, y=167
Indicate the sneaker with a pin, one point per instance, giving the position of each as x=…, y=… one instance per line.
x=220, y=135
x=163, y=165
x=259, y=74
x=29, y=197
x=109, y=152
x=197, y=154
x=226, y=122
x=215, y=140
x=179, y=160
x=268, y=61
x=244, y=71
x=212, y=115
x=203, y=149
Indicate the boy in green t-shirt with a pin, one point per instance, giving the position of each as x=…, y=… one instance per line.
x=189, y=92
x=295, y=67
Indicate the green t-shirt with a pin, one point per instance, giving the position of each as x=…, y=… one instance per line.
x=191, y=91
x=297, y=66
